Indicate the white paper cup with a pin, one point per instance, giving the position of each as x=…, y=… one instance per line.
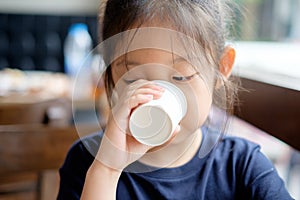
x=153, y=123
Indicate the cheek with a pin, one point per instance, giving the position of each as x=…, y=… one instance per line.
x=116, y=72
x=199, y=100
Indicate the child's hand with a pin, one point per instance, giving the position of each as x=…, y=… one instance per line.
x=118, y=148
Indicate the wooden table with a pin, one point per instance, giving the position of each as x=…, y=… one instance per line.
x=34, y=109
x=272, y=77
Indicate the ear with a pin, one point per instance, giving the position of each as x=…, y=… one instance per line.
x=227, y=61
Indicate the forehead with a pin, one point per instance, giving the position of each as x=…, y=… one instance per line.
x=144, y=56
x=146, y=38
x=150, y=60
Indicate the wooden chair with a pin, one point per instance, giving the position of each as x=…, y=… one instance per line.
x=26, y=152
x=273, y=109
x=35, y=135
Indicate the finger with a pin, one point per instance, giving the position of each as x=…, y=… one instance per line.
x=154, y=86
x=138, y=99
x=145, y=84
x=149, y=91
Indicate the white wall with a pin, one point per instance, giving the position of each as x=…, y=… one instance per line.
x=275, y=63
x=61, y=7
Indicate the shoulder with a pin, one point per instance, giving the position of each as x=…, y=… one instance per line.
x=243, y=158
x=238, y=145
x=235, y=148
x=80, y=156
x=78, y=160
x=243, y=152
x=253, y=170
x=82, y=152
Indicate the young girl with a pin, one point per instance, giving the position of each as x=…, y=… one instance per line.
x=182, y=42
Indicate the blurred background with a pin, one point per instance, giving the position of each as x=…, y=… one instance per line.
x=268, y=20
x=36, y=118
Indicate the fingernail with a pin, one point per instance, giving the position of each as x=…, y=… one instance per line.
x=161, y=88
x=149, y=96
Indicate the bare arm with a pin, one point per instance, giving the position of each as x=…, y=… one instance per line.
x=118, y=149
x=100, y=183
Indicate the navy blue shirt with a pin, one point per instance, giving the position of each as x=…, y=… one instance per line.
x=235, y=169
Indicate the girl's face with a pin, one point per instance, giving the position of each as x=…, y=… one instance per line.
x=155, y=64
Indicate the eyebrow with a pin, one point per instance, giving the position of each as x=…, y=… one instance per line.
x=128, y=62
x=178, y=59
x=134, y=63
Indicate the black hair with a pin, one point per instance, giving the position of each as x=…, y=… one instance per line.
x=205, y=21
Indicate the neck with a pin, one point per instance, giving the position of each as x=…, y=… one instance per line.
x=174, y=154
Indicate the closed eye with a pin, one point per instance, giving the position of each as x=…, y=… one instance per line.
x=184, y=78
x=129, y=81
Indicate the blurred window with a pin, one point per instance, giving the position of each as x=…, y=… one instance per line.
x=268, y=20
